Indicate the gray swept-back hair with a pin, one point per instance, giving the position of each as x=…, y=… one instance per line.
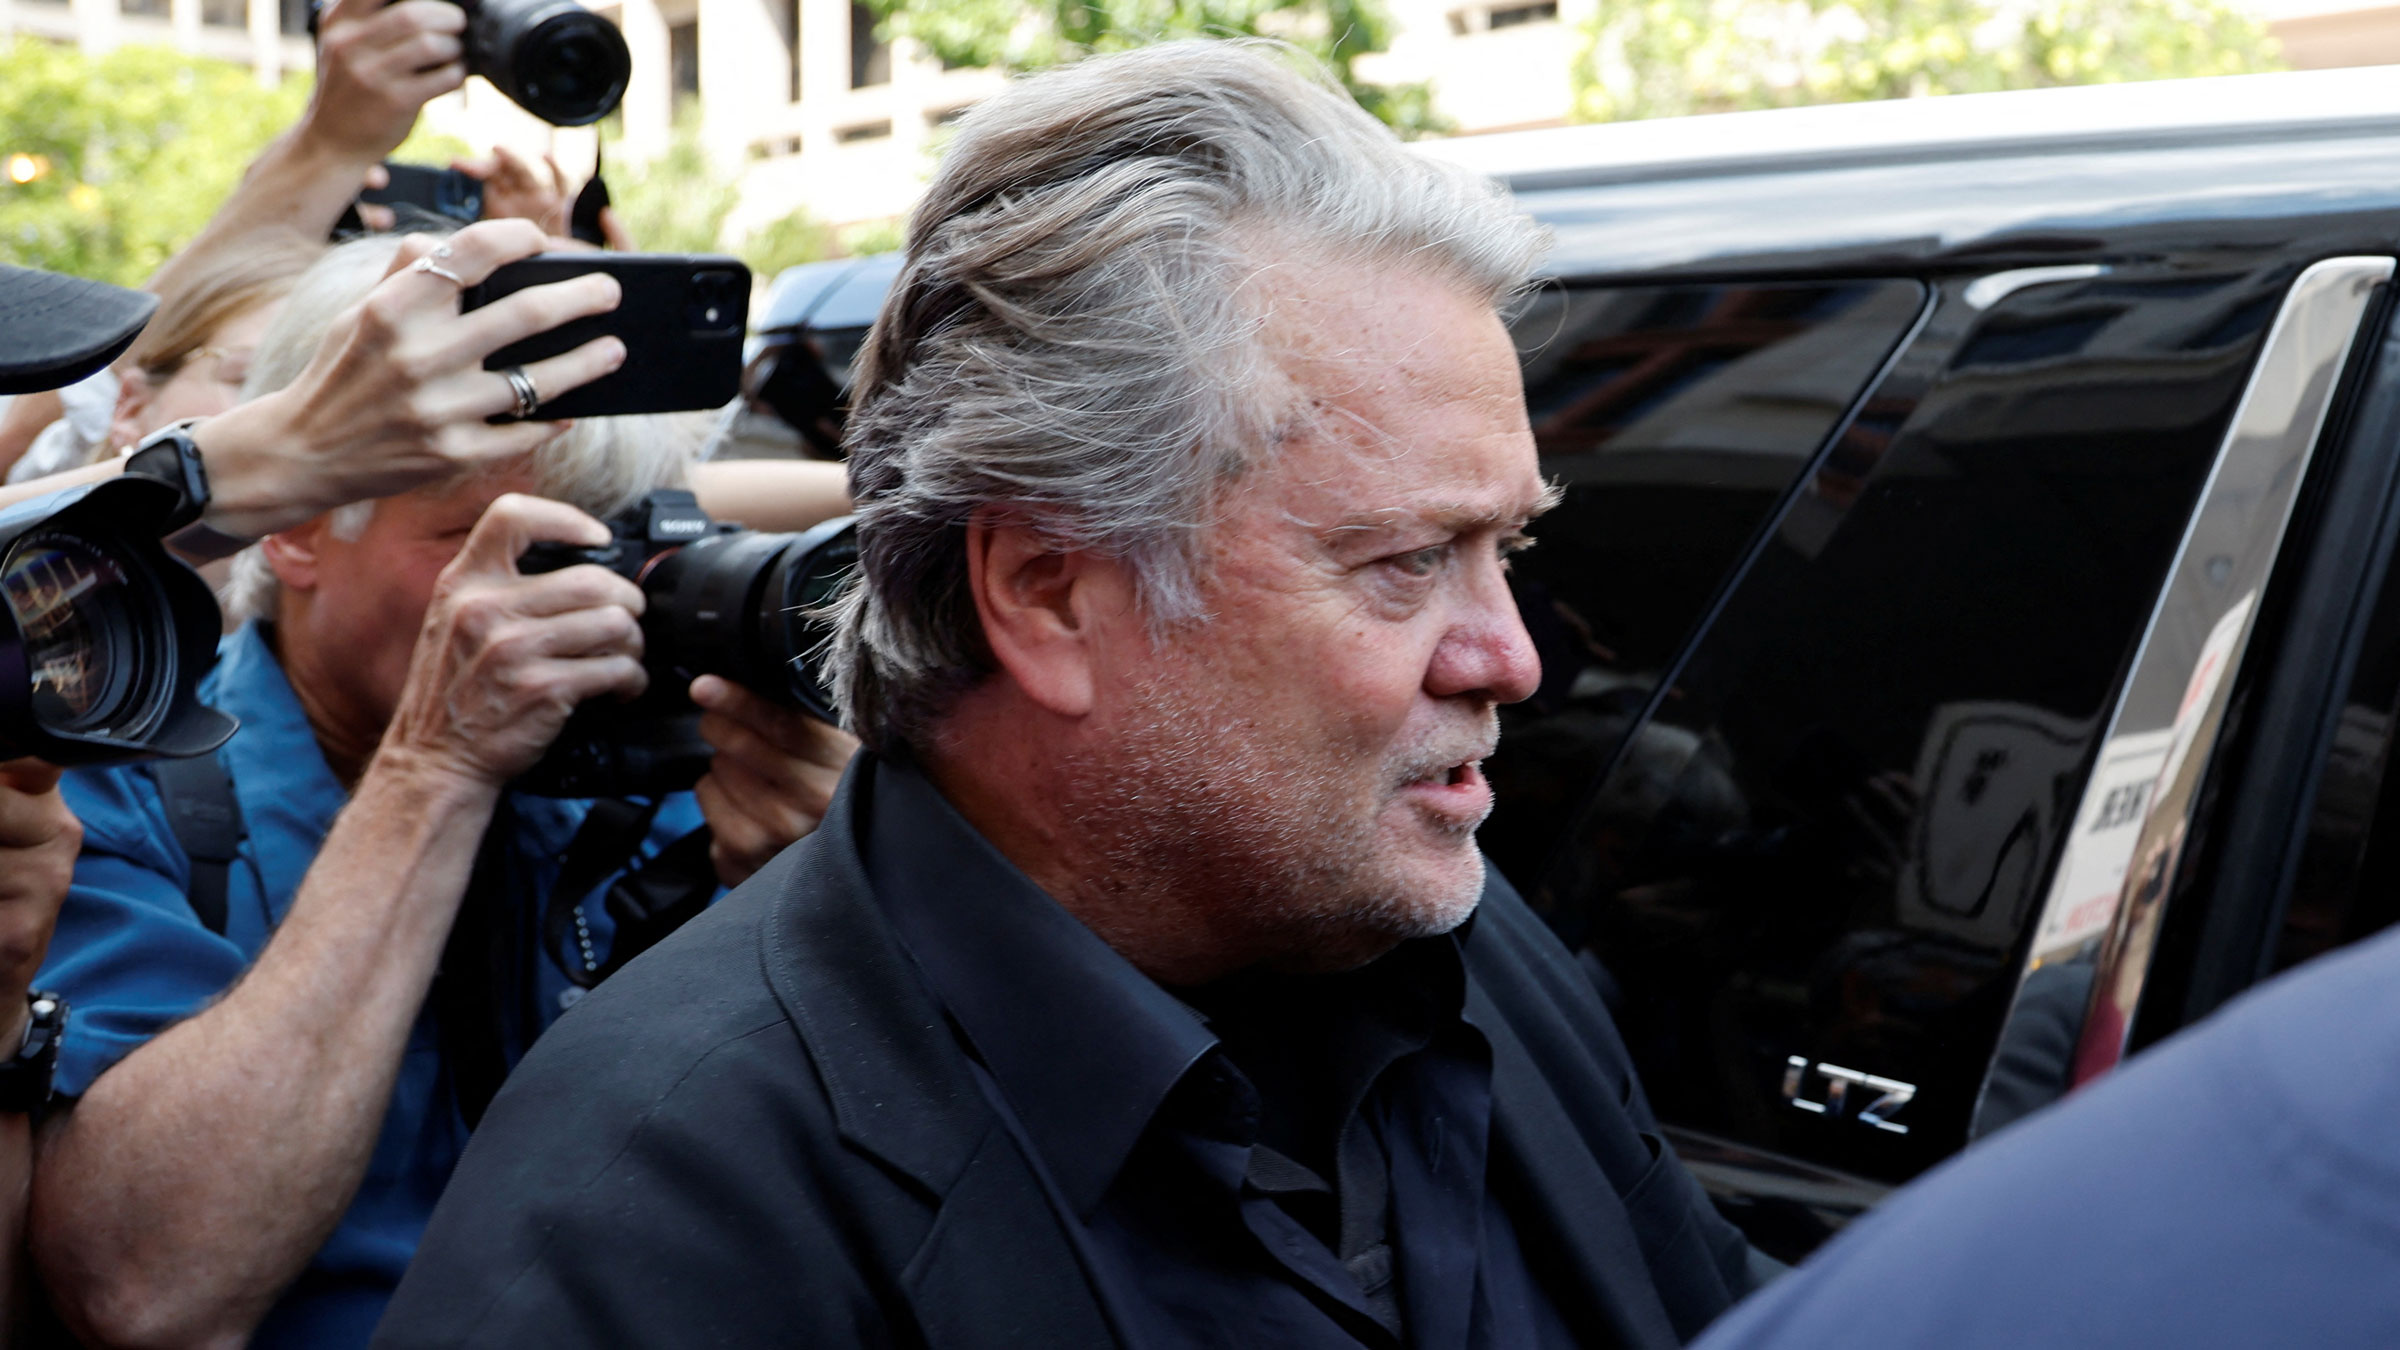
x=1071, y=336
x=601, y=464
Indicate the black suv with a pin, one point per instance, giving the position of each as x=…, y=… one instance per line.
x=1970, y=645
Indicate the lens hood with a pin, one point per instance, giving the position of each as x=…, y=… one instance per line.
x=104, y=635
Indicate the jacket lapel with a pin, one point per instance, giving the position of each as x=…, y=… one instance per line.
x=1572, y=1216
x=995, y=1266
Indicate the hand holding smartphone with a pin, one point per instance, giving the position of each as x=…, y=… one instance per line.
x=682, y=320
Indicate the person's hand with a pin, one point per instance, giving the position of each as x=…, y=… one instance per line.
x=377, y=65
x=772, y=778
x=396, y=395
x=503, y=658
x=39, y=837
x=514, y=188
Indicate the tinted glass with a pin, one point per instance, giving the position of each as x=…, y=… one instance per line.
x=1675, y=417
x=1811, y=870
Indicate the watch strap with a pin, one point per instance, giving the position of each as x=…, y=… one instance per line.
x=170, y=455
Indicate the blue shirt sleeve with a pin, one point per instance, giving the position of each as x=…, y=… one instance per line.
x=130, y=956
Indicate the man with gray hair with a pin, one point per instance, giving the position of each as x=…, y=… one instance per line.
x=1136, y=989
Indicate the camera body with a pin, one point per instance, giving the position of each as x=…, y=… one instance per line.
x=104, y=636
x=722, y=600
x=554, y=58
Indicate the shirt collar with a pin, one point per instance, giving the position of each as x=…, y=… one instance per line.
x=1084, y=1046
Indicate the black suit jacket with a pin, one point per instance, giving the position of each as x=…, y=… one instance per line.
x=764, y=1133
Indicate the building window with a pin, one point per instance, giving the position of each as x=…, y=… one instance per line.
x=225, y=13
x=683, y=59
x=145, y=9
x=864, y=131
x=870, y=60
x=1509, y=16
x=1483, y=17
x=293, y=18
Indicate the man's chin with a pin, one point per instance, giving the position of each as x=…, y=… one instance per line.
x=1442, y=892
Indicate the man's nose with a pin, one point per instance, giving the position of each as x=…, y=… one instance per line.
x=1487, y=651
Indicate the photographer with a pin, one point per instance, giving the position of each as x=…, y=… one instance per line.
x=263, y=1109
x=271, y=465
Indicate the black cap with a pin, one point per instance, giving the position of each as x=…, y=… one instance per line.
x=55, y=330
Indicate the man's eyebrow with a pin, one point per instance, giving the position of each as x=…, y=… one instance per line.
x=1455, y=517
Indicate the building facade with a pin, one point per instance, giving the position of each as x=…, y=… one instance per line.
x=800, y=100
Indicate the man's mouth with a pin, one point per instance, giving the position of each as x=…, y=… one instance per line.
x=1458, y=793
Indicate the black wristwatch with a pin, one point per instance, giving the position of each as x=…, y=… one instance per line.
x=25, y=1079
x=172, y=457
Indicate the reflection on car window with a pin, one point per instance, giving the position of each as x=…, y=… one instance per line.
x=1675, y=417
x=1812, y=870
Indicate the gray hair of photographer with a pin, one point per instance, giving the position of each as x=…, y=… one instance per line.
x=1082, y=291
x=600, y=465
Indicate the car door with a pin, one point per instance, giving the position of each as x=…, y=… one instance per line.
x=1823, y=727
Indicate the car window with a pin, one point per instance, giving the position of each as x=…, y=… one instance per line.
x=1811, y=870
x=1675, y=418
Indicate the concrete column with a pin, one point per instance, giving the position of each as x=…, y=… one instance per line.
x=744, y=71
x=649, y=92
x=95, y=24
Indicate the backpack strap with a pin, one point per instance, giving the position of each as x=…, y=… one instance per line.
x=207, y=820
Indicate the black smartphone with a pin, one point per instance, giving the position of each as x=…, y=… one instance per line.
x=444, y=192
x=683, y=319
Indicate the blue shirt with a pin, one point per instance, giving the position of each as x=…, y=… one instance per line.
x=132, y=958
x=2237, y=1186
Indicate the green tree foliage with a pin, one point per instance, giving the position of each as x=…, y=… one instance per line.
x=787, y=242
x=1667, y=58
x=1017, y=37
x=677, y=200
x=136, y=149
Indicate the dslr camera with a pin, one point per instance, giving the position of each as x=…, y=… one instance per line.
x=554, y=58
x=743, y=604
x=104, y=636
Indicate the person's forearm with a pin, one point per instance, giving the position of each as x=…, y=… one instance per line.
x=257, y=483
x=195, y=1178
x=296, y=184
x=772, y=494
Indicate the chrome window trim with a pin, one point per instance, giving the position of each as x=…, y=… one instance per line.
x=2137, y=807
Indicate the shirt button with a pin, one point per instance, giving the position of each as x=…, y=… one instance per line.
x=570, y=996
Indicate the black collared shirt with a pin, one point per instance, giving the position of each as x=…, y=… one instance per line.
x=1272, y=1161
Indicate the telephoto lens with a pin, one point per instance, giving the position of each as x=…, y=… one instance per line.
x=722, y=600
x=106, y=635
x=558, y=60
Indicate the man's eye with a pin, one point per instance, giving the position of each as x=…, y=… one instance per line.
x=1422, y=563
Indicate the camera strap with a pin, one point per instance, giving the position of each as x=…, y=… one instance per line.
x=469, y=1014
x=207, y=821
x=609, y=838
x=647, y=901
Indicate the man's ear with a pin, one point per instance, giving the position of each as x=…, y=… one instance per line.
x=125, y=424
x=294, y=554
x=1048, y=614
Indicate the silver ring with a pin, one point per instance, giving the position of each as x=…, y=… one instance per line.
x=427, y=264
x=521, y=384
